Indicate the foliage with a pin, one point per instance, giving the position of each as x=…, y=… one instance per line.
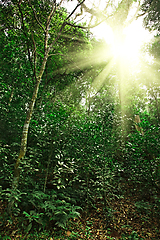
x=87, y=169
x=152, y=11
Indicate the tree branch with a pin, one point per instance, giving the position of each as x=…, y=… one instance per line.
x=48, y=23
x=35, y=15
x=63, y=26
x=23, y=28
x=51, y=13
x=75, y=9
x=83, y=27
x=96, y=13
x=135, y=15
x=59, y=4
x=79, y=14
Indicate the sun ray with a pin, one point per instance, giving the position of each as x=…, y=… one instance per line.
x=121, y=54
x=101, y=78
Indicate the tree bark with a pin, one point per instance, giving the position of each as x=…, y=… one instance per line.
x=23, y=147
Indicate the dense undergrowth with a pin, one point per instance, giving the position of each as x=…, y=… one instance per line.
x=131, y=216
x=80, y=186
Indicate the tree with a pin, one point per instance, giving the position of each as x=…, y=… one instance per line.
x=151, y=12
x=40, y=38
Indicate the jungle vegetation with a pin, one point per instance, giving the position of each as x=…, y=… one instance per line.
x=80, y=122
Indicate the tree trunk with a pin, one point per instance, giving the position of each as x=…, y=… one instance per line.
x=137, y=126
x=23, y=147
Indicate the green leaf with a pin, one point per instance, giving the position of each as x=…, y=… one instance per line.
x=28, y=227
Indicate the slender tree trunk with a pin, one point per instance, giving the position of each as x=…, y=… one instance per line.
x=137, y=126
x=23, y=147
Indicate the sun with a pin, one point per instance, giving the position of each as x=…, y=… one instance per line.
x=125, y=44
x=125, y=48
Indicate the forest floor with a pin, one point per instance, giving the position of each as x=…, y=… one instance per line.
x=130, y=219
